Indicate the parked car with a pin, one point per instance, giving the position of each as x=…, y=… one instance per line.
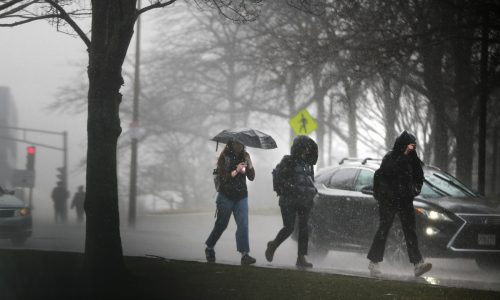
x=452, y=220
x=15, y=218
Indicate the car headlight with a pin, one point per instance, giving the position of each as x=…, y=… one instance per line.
x=432, y=214
x=22, y=212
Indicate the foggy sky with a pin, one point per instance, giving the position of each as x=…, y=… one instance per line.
x=34, y=61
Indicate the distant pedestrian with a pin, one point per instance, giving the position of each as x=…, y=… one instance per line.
x=234, y=166
x=77, y=203
x=398, y=180
x=59, y=196
x=293, y=180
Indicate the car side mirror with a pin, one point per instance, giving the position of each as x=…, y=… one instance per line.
x=367, y=189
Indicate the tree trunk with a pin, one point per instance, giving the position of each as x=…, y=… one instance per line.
x=433, y=80
x=391, y=107
x=462, y=53
x=231, y=92
x=494, y=163
x=352, y=92
x=291, y=79
x=330, y=134
x=112, y=29
x=483, y=99
x=319, y=98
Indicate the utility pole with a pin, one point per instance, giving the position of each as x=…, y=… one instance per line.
x=135, y=123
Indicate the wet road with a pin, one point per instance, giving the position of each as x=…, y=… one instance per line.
x=183, y=236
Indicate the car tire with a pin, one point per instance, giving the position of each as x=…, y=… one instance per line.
x=18, y=241
x=488, y=262
x=396, y=252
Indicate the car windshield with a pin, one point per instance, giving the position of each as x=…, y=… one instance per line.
x=446, y=184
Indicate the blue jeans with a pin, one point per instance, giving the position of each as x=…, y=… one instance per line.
x=225, y=207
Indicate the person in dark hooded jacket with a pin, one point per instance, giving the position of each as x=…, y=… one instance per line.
x=296, y=195
x=398, y=180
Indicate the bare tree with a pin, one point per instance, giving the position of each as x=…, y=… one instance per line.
x=112, y=27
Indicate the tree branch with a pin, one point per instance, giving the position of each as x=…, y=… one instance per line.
x=9, y=4
x=30, y=20
x=66, y=17
x=158, y=4
x=16, y=9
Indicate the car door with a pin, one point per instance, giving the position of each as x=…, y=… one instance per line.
x=333, y=213
x=364, y=221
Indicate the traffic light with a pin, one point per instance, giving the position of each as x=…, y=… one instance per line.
x=61, y=175
x=30, y=157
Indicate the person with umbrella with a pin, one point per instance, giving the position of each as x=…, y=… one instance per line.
x=234, y=166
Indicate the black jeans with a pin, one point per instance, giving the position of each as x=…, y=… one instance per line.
x=406, y=212
x=288, y=213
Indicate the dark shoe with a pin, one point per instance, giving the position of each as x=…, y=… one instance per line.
x=210, y=255
x=302, y=262
x=270, y=251
x=247, y=260
x=421, y=268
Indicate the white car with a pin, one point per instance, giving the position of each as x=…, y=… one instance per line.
x=16, y=222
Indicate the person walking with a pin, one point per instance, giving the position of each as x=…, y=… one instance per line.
x=234, y=166
x=59, y=196
x=77, y=203
x=293, y=180
x=398, y=180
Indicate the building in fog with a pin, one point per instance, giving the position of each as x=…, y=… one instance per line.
x=8, y=148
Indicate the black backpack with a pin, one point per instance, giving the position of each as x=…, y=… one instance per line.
x=217, y=178
x=279, y=177
x=278, y=185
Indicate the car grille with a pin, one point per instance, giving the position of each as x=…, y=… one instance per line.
x=6, y=213
x=482, y=219
x=479, y=232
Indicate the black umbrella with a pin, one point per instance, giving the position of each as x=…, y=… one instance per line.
x=247, y=136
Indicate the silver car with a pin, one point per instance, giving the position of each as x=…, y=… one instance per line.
x=16, y=222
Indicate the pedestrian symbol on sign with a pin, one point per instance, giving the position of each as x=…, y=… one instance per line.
x=303, y=123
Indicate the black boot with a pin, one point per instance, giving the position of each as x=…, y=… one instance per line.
x=302, y=262
x=210, y=254
x=270, y=251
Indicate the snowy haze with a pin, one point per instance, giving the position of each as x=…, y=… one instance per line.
x=36, y=61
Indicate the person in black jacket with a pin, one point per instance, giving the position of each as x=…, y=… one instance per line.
x=398, y=180
x=78, y=203
x=234, y=166
x=60, y=196
x=296, y=190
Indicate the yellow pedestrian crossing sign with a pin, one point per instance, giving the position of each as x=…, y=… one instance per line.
x=303, y=123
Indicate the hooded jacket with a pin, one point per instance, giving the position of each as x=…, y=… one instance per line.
x=400, y=177
x=297, y=173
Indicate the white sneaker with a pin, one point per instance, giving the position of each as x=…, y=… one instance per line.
x=421, y=268
x=374, y=269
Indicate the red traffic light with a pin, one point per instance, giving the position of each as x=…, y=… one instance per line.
x=31, y=150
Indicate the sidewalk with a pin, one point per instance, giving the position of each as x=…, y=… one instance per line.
x=28, y=274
